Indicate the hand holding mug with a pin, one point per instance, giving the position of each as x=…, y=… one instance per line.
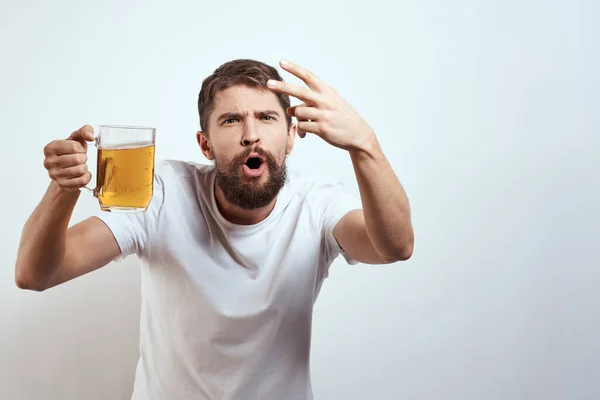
x=66, y=159
x=125, y=166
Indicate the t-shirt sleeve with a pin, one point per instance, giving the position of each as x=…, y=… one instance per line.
x=132, y=231
x=335, y=202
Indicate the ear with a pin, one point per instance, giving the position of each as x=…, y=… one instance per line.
x=291, y=138
x=205, y=145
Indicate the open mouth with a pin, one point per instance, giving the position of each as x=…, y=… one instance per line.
x=253, y=162
x=254, y=166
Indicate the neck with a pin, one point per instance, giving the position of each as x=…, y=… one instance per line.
x=237, y=215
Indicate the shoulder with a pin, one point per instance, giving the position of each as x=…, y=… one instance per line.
x=179, y=168
x=187, y=173
x=321, y=194
x=316, y=189
x=177, y=180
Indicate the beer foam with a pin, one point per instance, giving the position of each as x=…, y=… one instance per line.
x=127, y=145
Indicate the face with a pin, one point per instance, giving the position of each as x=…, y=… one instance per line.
x=248, y=143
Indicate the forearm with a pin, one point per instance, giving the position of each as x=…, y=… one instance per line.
x=43, y=239
x=385, y=204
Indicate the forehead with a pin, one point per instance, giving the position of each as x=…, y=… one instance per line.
x=244, y=98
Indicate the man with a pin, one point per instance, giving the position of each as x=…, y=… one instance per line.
x=233, y=255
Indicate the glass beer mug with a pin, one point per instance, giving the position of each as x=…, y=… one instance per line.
x=125, y=168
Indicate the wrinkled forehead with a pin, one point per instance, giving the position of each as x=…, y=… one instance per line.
x=241, y=98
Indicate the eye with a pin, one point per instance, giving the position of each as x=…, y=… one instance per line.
x=268, y=118
x=230, y=121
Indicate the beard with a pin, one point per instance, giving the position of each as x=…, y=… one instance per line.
x=250, y=193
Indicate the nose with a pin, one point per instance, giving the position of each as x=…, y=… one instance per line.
x=250, y=135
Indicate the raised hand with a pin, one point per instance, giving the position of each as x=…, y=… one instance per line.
x=324, y=112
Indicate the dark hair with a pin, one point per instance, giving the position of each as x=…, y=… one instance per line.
x=246, y=72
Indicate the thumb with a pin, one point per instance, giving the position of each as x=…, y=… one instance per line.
x=83, y=134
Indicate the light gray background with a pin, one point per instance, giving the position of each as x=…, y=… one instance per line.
x=488, y=112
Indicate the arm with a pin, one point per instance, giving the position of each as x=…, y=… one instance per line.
x=382, y=232
x=50, y=253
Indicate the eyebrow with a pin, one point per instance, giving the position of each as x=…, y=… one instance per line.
x=237, y=115
x=267, y=113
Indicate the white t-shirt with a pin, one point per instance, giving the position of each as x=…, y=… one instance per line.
x=227, y=309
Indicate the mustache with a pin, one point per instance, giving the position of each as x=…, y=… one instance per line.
x=241, y=157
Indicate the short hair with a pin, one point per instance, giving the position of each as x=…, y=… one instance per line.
x=245, y=72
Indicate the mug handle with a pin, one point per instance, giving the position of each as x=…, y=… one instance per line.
x=85, y=189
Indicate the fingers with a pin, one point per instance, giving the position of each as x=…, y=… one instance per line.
x=307, y=117
x=304, y=112
x=311, y=80
x=74, y=183
x=65, y=160
x=61, y=147
x=291, y=111
x=304, y=94
x=85, y=133
x=67, y=167
x=69, y=172
x=308, y=126
x=300, y=132
x=71, y=177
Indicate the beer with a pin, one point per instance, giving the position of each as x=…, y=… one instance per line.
x=125, y=176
